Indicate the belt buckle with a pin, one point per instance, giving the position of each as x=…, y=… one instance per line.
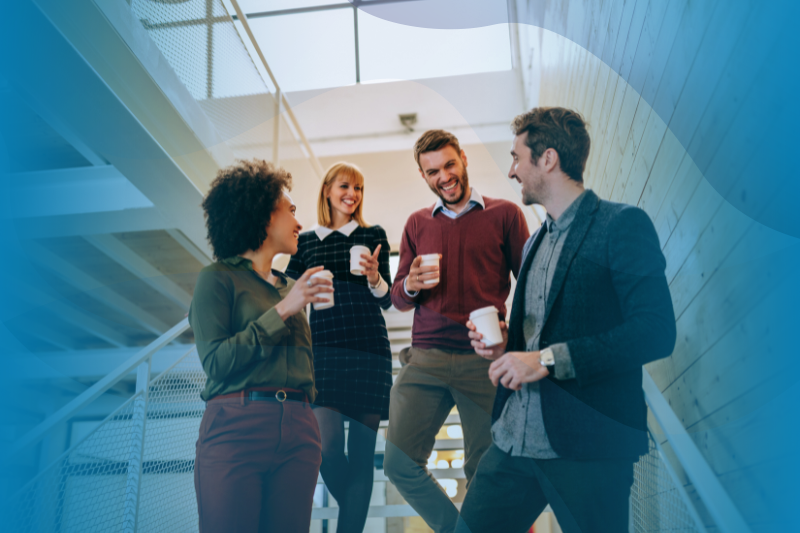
x=281, y=396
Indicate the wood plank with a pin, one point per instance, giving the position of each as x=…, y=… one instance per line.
x=665, y=41
x=622, y=132
x=725, y=371
x=665, y=167
x=691, y=32
x=744, y=280
x=699, y=212
x=754, y=47
x=681, y=191
x=646, y=153
x=709, y=253
x=633, y=144
x=707, y=66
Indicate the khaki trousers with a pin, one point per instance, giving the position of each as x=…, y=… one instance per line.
x=428, y=386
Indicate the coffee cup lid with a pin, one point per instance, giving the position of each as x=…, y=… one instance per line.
x=323, y=274
x=359, y=247
x=428, y=257
x=483, y=311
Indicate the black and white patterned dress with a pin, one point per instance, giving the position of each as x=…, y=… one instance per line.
x=352, y=356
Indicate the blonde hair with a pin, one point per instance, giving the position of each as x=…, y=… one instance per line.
x=345, y=171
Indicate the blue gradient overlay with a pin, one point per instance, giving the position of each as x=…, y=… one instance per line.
x=736, y=114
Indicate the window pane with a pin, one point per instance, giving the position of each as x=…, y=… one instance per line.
x=309, y=50
x=394, y=51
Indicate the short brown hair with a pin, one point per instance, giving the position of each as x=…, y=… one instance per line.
x=561, y=129
x=239, y=206
x=352, y=174
x=433, y=140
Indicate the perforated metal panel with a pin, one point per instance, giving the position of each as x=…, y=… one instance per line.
x=656, y=503
x=93, y=488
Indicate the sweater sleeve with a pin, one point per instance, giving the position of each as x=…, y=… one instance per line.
x=224, y=352
x=516, y=236
x=408, y=251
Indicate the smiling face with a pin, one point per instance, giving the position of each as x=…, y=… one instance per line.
x=531, y=174
x=283, y=231
x=345, y=195
x=445, y=171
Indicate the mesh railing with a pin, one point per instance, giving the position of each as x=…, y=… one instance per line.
x=200, y=41
x=94, y=486
x=146, y=448
x=657, y=503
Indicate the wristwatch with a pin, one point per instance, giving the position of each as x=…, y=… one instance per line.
x=546, y=357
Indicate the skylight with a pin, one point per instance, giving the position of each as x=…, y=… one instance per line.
x=328, y=43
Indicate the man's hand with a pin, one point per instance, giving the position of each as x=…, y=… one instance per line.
x=417, y=275
x=514, y=369
x=493, y=352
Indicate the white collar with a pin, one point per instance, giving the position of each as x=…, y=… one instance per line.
x=345, y=230
x=474, y=196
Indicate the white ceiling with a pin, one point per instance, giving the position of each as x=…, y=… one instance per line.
x=360, y=124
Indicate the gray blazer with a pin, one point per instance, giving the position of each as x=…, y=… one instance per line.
x=610, y=302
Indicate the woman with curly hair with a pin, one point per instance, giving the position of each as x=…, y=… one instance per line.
x=258, y=453
x=352, y=357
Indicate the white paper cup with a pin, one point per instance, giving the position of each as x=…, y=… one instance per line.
x=488, y=324
x=430, y=260
x=355, y=259
x=319, y=306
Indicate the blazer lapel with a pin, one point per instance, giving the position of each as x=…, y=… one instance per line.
x=518, y=304
x=577, y=232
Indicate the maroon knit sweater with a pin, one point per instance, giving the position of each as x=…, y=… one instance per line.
x=478, y=249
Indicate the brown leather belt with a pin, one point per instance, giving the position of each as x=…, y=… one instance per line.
x=266, y=395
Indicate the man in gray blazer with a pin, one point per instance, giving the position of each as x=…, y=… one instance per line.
x=591, y=307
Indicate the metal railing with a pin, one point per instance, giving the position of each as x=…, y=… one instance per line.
x=134, y=470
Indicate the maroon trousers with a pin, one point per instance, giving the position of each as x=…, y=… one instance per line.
x=256, y=466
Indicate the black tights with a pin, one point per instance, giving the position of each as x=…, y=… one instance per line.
x=348, y=478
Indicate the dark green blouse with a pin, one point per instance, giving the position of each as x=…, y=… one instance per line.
x=240, y=337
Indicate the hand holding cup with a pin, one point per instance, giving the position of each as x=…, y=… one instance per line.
x=305, y=291
x=369, y=263
x=488, y=352
x=423, y=276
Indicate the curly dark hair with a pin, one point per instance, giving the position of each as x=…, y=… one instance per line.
x=563, y=130
x=239, y=206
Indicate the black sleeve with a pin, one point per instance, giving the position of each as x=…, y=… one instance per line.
x=297, y=265
x=384, y=301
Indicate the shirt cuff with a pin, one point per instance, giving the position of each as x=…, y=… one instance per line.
x=381, y=290
x=409, y=294
x=273, y=325
x=563, y=366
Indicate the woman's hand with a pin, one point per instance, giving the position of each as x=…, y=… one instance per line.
x=370, y=264
x=493, y=352
x=304, y=292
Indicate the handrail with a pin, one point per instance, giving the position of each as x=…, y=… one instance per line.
x=96, y=390
x=705, y=481
x=281, y=95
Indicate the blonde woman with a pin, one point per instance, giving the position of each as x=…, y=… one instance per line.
x=352, y=357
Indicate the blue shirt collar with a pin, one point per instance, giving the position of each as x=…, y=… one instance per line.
x=474, y=199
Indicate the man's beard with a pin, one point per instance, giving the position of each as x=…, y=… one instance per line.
x=463, y=181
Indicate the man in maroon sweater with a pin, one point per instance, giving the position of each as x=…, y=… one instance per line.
x=480, y=240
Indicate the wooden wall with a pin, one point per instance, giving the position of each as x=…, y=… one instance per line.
x=658, y=80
